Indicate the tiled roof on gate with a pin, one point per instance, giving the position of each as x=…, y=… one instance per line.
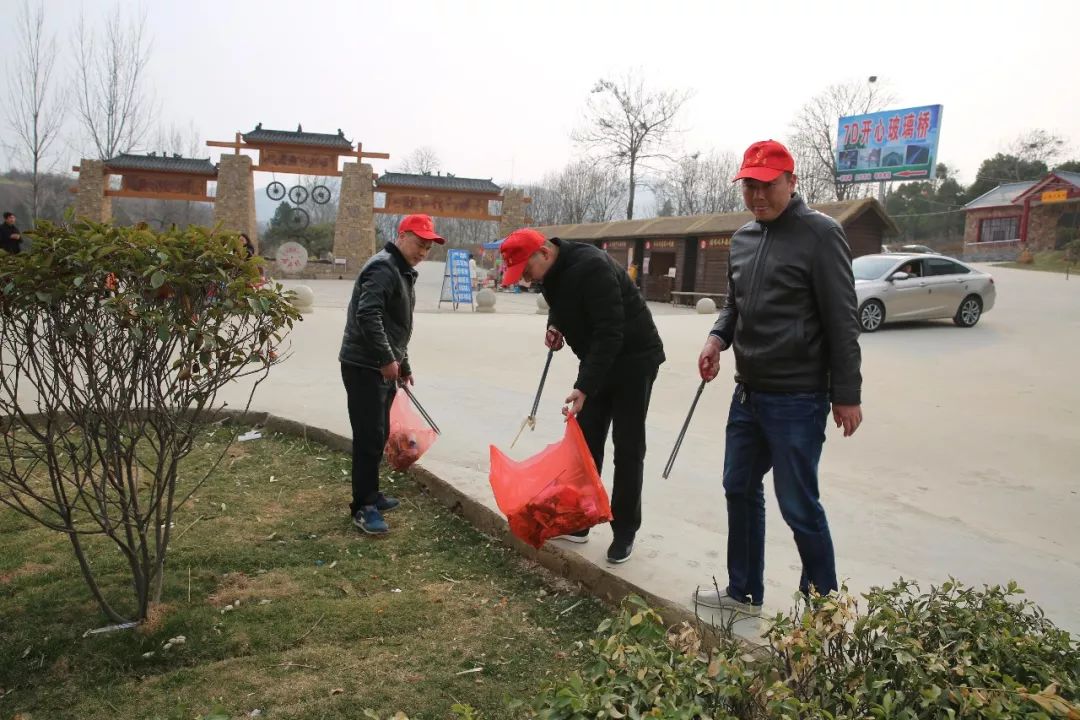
x=288, y=137
x=436, y=182
x=162, y=163
x=705, y=225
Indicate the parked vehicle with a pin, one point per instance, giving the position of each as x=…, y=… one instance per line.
x=918, y=249
x=909, y=286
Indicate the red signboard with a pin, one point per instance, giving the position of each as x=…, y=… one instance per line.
x=715, y=242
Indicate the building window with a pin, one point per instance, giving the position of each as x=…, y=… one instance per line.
x=999, y=229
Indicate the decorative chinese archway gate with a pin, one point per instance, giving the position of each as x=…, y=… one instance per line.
x=302, y=153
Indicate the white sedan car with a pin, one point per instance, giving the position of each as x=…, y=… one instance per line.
x=894, y=287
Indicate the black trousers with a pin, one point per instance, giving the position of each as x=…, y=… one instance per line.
x=370, y=398
x=621, y=405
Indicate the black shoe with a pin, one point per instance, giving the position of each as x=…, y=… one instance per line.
x=386, y=504
x=619, y=551
x=581, y=536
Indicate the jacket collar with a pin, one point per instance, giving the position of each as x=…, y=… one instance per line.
x=560, y=261
x=399, y=260
x=794, y=205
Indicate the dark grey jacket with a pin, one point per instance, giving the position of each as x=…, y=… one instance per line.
x=602, y=316
x=6, y=243
x=380, y=316
x=790, y=312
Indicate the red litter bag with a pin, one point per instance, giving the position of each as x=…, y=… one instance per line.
x=555, y=492
x=410, y=437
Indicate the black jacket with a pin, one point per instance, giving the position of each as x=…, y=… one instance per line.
x=790, y=311
x=6, y=243
x=380, y=315
x=601, y=314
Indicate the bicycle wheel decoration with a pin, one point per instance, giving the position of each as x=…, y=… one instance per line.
x=298, y=194
x=298, y=219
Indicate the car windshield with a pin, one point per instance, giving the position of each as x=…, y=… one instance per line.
x=870, y=267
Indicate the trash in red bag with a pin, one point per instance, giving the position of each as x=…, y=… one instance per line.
x=410, y=437
x=555, y=492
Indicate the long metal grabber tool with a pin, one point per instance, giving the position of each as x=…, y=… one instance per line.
x=682, y=433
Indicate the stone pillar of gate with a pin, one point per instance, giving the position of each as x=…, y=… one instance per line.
x=234, y=206
x=513, y=212
x=354, y=230
x=91, y=203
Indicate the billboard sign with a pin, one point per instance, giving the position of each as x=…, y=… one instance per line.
x=888, y=145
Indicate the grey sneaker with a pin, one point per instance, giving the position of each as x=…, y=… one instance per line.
x=720, y=600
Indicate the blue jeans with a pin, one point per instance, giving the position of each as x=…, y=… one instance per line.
x=783, y=432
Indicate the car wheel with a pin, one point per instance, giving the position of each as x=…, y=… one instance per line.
x=969, y=312
x=871, y=315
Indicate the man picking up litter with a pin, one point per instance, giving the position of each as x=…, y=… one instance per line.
x=596, y=308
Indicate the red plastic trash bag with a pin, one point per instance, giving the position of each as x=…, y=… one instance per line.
x=555, y=492
x=410, y=437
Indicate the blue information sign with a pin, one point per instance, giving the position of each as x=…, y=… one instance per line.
x=457, y=279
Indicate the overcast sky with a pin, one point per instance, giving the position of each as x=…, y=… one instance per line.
x=496, y=88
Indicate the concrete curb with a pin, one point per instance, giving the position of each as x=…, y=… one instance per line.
x=596, y=580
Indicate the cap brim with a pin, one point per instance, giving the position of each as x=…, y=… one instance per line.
x=513, y=274
x=425, y=235
x=763, y=174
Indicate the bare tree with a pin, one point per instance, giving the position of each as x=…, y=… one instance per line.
x=114, y=108
x=817, y=183
x=629, y=124
x=814, y=129
x=1038, y=145
x=546, y=206
x=586, y=192
x=701, y=183
x=35, y=104
x=421, y=161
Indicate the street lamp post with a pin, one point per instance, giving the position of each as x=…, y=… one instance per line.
x=869, y=98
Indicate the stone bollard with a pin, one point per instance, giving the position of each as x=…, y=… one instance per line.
x=706, y=306
x=541, y=305
x=304, y=299
x=485, y=301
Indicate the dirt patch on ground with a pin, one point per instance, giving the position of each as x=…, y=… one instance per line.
x=29, y=568
x=247, y=588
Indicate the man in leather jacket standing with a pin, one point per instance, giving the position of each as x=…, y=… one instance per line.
x=601, y=315
x=790, y=315
x=374, y=359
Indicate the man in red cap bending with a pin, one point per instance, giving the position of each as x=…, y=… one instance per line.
x=374, y=359
x=600, y=313
x=790, y=316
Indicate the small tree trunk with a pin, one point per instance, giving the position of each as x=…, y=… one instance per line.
x=630, y=201
x=88, y=575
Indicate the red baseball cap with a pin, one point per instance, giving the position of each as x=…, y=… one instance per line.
x=765, y=161
x=422, y=226
x=516, y=250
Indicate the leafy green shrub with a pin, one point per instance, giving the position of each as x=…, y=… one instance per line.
x=952, y=652
x=114, y=343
